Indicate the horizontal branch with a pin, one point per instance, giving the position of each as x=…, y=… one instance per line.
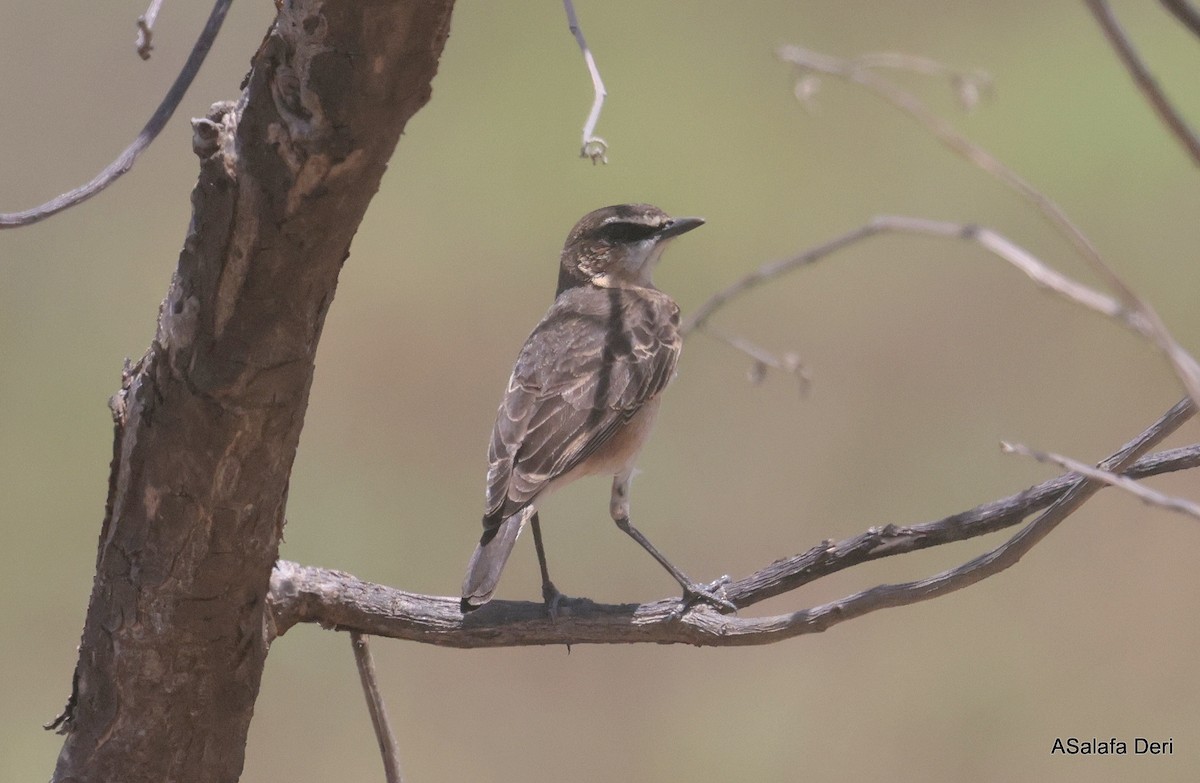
x=338, y=600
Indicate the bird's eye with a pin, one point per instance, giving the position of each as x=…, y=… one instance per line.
x=628, y=232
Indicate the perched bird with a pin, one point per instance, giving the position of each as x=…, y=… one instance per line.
x=585, y=390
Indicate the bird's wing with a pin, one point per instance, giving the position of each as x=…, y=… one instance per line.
x=592, y=362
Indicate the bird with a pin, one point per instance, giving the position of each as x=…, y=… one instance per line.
x=584, y=392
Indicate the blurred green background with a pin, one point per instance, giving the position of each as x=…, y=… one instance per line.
x=924, y=355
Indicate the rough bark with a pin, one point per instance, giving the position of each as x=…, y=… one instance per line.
x=207, y=422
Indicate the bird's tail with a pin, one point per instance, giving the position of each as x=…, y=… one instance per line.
x=483, y=572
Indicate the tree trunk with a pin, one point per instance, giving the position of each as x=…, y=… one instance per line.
x=208, y=420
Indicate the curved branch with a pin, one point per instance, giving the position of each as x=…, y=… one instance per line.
x=995, y=243
x=124, y=162
x=338, y=600
x=854, y=70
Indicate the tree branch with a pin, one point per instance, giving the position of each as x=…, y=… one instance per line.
x=854, y=70
x=995, y=243
x=208, y=420
x=338, y=600
x=124, y=162
x=1145, y=80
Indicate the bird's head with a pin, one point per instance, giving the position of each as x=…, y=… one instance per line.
x=618, y=246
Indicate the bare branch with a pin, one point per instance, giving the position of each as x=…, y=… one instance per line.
x=995, y=243
x=853, y=71
x=1185, y=12
x=1185, y=366
x=1144, y=80
x=1143, y=493
x=124, y=162
x=593, y=147
x=145, y=25
x=379, y=717
x=334, y=599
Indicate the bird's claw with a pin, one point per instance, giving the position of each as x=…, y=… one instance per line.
x=551, y=597
x=711, y=594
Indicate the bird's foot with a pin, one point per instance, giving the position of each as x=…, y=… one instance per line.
x=551, y=597
x=711, y=594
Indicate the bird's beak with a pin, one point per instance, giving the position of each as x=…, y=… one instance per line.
x=680, y=225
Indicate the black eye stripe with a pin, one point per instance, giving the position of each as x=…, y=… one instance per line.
x=627, y=232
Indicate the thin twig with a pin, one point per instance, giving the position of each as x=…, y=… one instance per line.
x=379, y=717
x=1186, y=13
x=995, y=243
x=153, y=127
x=1139, y=491
x=1144, y=80
x=765, y=360
x=305, y=594
x=593, y=147
x=145, y=25
x=1185, y=366
x=970, y=87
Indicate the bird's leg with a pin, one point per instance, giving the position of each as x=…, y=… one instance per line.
x=550, y=594
x=692, y=591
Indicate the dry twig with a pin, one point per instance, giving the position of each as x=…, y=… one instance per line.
x=1139, y=491
x=593, y=147
x=145, y=25
x=124, y=162
x=378, y=710
x=1147, y=323
x=992, y=241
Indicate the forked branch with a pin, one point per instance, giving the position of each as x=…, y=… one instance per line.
x=862, y=71
x=338, y=600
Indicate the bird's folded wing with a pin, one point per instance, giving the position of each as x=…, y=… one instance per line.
x=589, y=366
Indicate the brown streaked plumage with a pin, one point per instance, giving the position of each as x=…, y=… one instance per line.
x=585, y=388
